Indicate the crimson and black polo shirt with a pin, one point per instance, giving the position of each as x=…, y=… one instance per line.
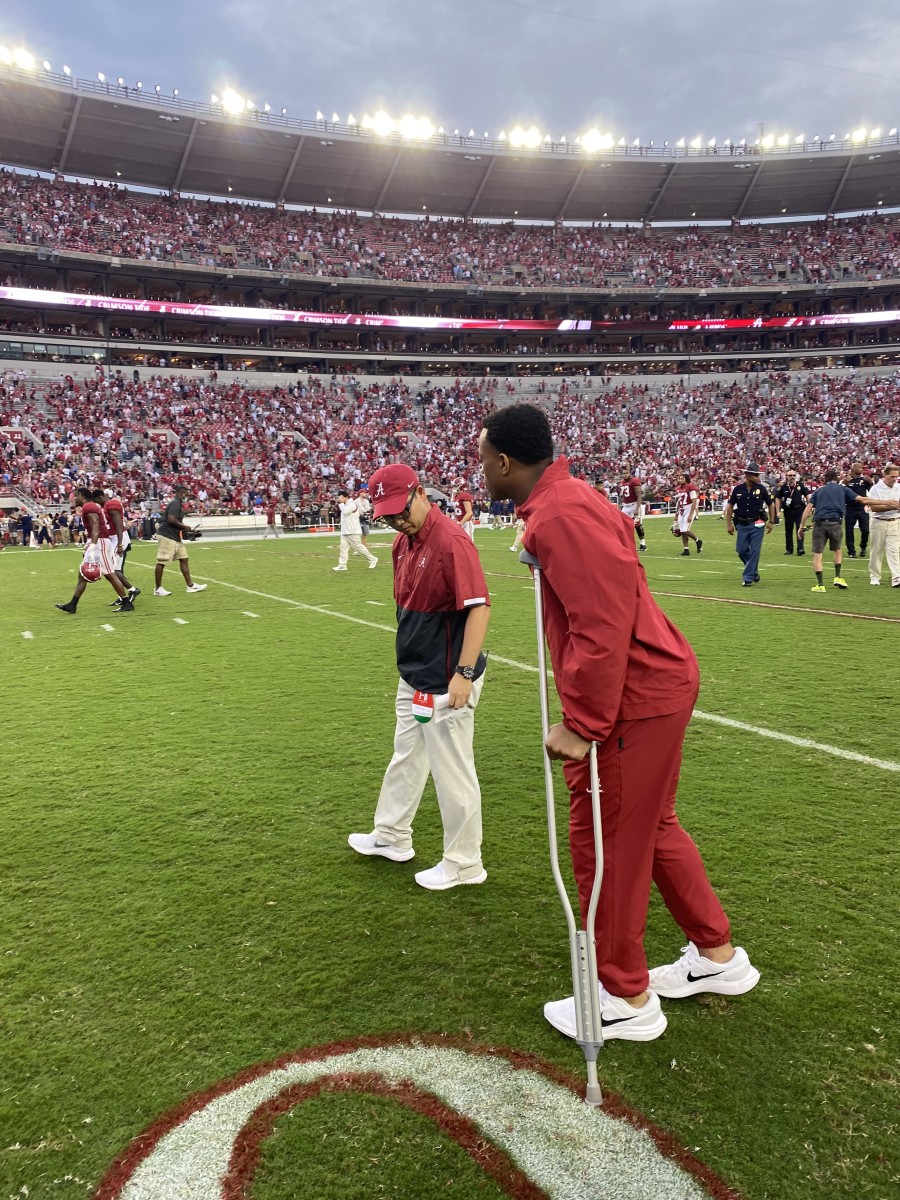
x=437, y=580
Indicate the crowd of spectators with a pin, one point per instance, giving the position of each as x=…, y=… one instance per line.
x=108, y=219
x=241, y=447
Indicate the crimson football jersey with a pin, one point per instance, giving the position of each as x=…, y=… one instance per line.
x=628, y=490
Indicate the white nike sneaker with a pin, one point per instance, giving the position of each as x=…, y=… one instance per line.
x=160, y=591
x=618, y=1018
x=692, y=973
x=368, y=843
x=197, y=587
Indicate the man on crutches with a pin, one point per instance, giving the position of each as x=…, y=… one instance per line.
x=627, y=681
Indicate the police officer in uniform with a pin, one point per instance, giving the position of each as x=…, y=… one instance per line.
x=790, y=501
x=751, y=508
x=859, y=483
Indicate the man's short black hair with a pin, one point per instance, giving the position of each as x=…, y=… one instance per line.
x=522, y=432
x=831, y=475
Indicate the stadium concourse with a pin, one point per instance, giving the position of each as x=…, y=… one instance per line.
x=108, y=219
x=238, y=446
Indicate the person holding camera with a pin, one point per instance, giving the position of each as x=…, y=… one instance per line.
x=170, y=533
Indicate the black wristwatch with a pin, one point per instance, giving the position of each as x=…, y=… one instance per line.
x=467, y=673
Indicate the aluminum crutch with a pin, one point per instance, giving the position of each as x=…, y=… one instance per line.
x=583, y=953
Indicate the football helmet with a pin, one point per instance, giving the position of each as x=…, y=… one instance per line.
x=90, y=570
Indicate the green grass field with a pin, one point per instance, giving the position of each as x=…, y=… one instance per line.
x=179, y=901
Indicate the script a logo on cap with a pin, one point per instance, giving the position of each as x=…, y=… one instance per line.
x=379, y=491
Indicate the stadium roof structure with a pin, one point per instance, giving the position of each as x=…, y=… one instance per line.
x=103, y=130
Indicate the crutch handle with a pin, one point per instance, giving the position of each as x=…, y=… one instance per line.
x=529, y=560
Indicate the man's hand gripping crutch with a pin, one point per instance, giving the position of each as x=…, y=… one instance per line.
x=560, y=743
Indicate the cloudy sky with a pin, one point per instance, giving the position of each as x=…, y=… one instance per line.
x=654, y=69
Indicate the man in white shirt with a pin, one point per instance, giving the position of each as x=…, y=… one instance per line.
x=885, y=527
x=351, y=533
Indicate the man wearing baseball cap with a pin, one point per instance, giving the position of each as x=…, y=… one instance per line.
x=443, y=608
x=169, y=544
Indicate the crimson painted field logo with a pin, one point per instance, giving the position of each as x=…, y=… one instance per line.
x=520, y=1119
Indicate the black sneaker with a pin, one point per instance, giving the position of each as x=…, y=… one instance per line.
x=699, y=544
x=756, y=578
x=115, y=603
x=851, y=554
x=685, y=553
x=133, y=593
x=69, y=608
x=126, y=606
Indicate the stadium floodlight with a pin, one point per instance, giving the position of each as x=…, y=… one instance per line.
x=859, y=135
x=875, y=133
x=562, y=140
x=174, y=91
x=284, y=112
x=817, y=138
x=335, y=118
x=742, y=142
x=800, y=139
x=636, y=142
x=783, y=140
x=214, y=99
x=456, y=133
x=233, y=102
x=892, y=133
x=138, y=85
x=594, y=140
x=727, y=142
x=23, y=60
x=711, y=143
x=680, y=143
x=157, y=89
x=267, y=108
x=382, y=124
x=351, y=120
x=319, y=116
x=5, y=57
x=695, y=144
x=67, y=70
x=101, y=77
x=501, y=136
x=485, y=134
x=768, y=141
x=120, y=81
x=46, y=65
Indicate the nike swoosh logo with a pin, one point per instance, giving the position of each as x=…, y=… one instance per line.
x=605, y=1022
x=692, y=978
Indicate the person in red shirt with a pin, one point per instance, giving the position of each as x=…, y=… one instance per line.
x=687, y=499
x=627, y=680
x=631, y=496
x=119, y=540
x=461, y=505
x=97, y=548
x=443, y=609
x=271, y=521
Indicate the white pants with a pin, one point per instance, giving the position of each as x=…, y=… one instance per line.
x=884, y=538
x=684, y=521
x=443, y=747
x=353, y=541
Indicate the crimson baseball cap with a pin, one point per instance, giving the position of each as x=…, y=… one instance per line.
x=389, y=488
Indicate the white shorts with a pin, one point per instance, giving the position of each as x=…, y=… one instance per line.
x=469, y=527
x=119, y=559
x=105, y=553
x=684, y=521
x=635, y=511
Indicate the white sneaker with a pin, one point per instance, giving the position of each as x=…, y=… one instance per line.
x=161, y=592
x=692, y=973
x=368, y=843
x=197, y=587
x=339, y=568
x=618, y=1018
x=875, y=582
x=439, y=879
x=373, y=564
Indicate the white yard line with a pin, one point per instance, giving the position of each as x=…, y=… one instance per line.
x=179, y=621
x=27, y=634
x=249, y=614
x=774, y=735
x=108, y=628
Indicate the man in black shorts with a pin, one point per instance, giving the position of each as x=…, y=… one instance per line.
x=829, y=503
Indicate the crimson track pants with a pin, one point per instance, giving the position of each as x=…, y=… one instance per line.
x=639, y=764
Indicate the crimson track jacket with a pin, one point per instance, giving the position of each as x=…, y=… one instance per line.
x=616, y=656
